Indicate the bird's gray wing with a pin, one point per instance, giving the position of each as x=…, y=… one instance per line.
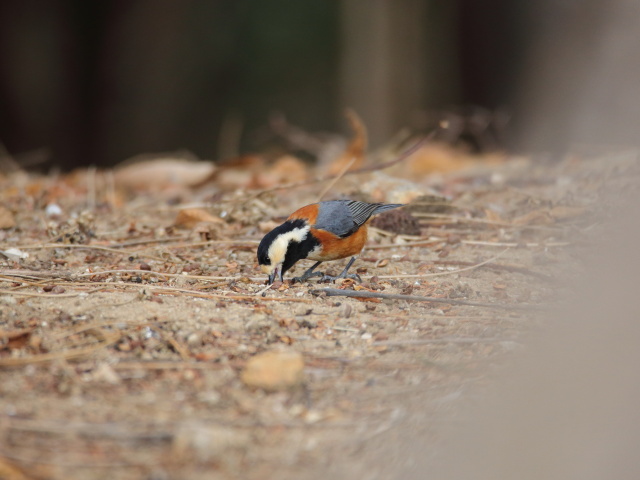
x=344, y=217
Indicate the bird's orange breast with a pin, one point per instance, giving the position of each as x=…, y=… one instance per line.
x=334, y=247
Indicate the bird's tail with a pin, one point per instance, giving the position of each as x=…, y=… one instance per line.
x=383, y=207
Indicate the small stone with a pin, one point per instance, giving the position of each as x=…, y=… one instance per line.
x=194, y=339
x=53, y=210
x=346, y=310
x=106, y=373
x=274, y=370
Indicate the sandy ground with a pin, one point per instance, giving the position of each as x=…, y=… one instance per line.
x=124, y=337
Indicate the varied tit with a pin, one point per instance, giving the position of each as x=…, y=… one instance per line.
x=321, y=231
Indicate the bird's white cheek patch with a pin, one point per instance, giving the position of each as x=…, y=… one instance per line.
x=278, y=248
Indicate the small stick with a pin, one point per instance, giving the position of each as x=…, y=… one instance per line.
x=133, y=243
x=436, y=341
x=335, y=292
x=508, y=268
x=65, y=354
x=32, y=294
x=451, y=272
x=483, y=221
x=337, y=178
x=514, y=244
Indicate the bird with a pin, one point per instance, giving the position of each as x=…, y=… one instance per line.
x=322, y=231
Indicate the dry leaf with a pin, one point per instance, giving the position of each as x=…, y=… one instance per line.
x=355, y=150
x=7, y=219
x=286, y=169
x=157, y=172
x=563, y=212
x=15, y=339
x=190, y=217
x=536, y=217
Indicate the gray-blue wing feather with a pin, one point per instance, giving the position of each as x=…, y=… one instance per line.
x=344, y=217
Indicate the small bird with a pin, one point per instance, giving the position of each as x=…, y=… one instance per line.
x=321, y=231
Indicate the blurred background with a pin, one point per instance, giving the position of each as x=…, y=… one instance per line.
x=93, y=83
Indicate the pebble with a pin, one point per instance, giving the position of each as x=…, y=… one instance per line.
x=194, y=339
x=53, y=210
x=274, y=370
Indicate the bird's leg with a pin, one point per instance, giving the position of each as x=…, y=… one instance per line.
x=344, y=273
x=308, y=274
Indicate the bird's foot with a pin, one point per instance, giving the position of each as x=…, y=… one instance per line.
x=331, y=278
x=306, y=276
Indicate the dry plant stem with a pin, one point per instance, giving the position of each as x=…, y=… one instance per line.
x=494, y=266
x=63, y=355
x=33, y=294
x=98, y=325
x=335, y=292
x=89, y=247
x=516, y=245
x=134, y=243
x=436, y=341
x=456, y=219
x=439, y=274
x=204, y=278
x=111, y=430
x=337, y=178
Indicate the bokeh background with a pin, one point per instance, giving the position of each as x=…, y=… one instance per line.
x=95, y=82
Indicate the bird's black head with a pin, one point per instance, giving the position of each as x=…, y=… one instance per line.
x=283, y=246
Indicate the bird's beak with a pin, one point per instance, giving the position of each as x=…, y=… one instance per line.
x=277, y=272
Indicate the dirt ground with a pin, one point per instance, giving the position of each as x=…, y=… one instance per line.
x=127, y=318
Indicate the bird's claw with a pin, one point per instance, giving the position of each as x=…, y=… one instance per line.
x=306, y=277
x=331, y=278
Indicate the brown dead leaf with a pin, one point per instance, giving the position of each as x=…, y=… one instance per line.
x=563, y=212
x=15, y=339
x=159, y=171
x=368, y=300
x=536, y=217
x=355, y=150
x=239, y=172
x=438, y=157
x=190, y=217
x=7, y=220
x=286, y=169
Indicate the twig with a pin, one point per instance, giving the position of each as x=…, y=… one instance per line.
x=451, y=272
x=337, y=177
x=436, y=341
x=147, y=241
x=167, y=365
x=495, y=266
x=514, y=244
x=457, y=219
x=335, y=292
x=33, y=294
x=177, y=347
x=65, y=354
x=420, y=243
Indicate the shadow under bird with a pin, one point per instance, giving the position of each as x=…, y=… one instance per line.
x=321, y=231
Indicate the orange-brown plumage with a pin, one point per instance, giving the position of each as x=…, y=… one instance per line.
x=308, y=213
x=335, y=248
